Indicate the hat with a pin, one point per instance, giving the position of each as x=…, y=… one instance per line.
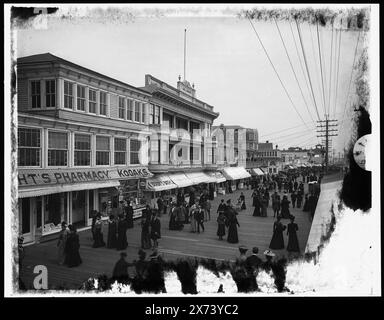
x=269, y=253
x=255, y=250
x=292, y=217
x=243, y=249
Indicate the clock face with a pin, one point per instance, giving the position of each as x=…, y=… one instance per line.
x=360, y=151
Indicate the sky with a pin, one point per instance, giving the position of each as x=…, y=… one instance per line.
x=224, y=59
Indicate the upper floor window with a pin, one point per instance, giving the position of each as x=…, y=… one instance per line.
x=167, y=120
x=50, y=93
x=82, y=154
x=92, y=101
x=68, y=95
x=36, y=94
x=129, y=109
x=137, y=111
x=151, y=113
x=80, y=98
x=57, y=148
x=121, y=108
x=135, y=146
x=157, y=115
x=103, y=103
x=142, y=106
x=102, y=151
x=120, y=150
x=29, y=147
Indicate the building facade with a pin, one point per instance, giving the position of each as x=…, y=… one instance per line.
x=82, y=144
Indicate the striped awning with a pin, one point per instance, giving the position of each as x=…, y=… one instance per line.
x=217, y=175
x=199, y=177
x=258, y=171
x=24, y=192
x=235, y=173
x=160, y=182
x=181, y=180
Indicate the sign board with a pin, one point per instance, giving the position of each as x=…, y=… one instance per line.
x=35, y=177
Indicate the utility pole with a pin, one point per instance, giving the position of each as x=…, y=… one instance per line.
x=327, y=130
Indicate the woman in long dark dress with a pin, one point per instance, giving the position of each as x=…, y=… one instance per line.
x=129, y=216
x=72, y=246
x=232, y=228
x=277, y=241
x=155, y=230
x=242, y=198
x=257, y=205
x=112, y=233
x=293, y=242
x=145, y=238
x=221, y=225
x=98, y=235
x=285, y=208
x=122, y=242
x=306, y=203
x=264, y=205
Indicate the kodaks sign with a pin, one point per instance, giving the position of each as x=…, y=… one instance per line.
x=45, y=177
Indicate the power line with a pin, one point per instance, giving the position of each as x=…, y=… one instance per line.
x=299, y=57
x=286, y=129
x=321, y=66
x=290, y=136
x=330, y=74
x=318, y=79
x=289, y=97
x=353, y=66
x=337, y=72
x=293, y=70
x=306, y=66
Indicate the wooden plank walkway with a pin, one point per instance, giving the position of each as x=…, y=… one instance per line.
x=253, y=231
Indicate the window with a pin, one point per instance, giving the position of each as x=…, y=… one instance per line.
x=121, y=108
x=157, y=115
x=120, y=150
x=151, y=114
x=137, y=111
x=134, y=151
x=50, y=93
x=103, y=103
x=29, y=148
x=57, y=148
x=102, y=151
x=142, y=112
x=36, y=95
x=82, y=150
x=80, y=98
x=181, y=124
x=68, y=95
x=129, y=109
x=167, y=120
x=92, y=101
x=155, y=151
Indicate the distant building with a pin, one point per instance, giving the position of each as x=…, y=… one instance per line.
x=296, y=156
x=267, y=157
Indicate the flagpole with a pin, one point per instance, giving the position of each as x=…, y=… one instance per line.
x=185, y=49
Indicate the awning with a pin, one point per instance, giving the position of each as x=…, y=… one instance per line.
x=40, y=191
x=258, y=171
x=217, y=175
x=160, y=182
x=235, y=173
x=199, y=177
x=181, y=180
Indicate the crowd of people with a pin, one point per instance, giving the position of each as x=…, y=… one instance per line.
x=196, y=211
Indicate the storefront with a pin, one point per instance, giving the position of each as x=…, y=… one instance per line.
x=219, y=184
x=48, y=197
x=236, y=176
x=159, y=186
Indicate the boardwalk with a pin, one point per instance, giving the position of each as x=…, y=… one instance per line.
x=253, y=231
